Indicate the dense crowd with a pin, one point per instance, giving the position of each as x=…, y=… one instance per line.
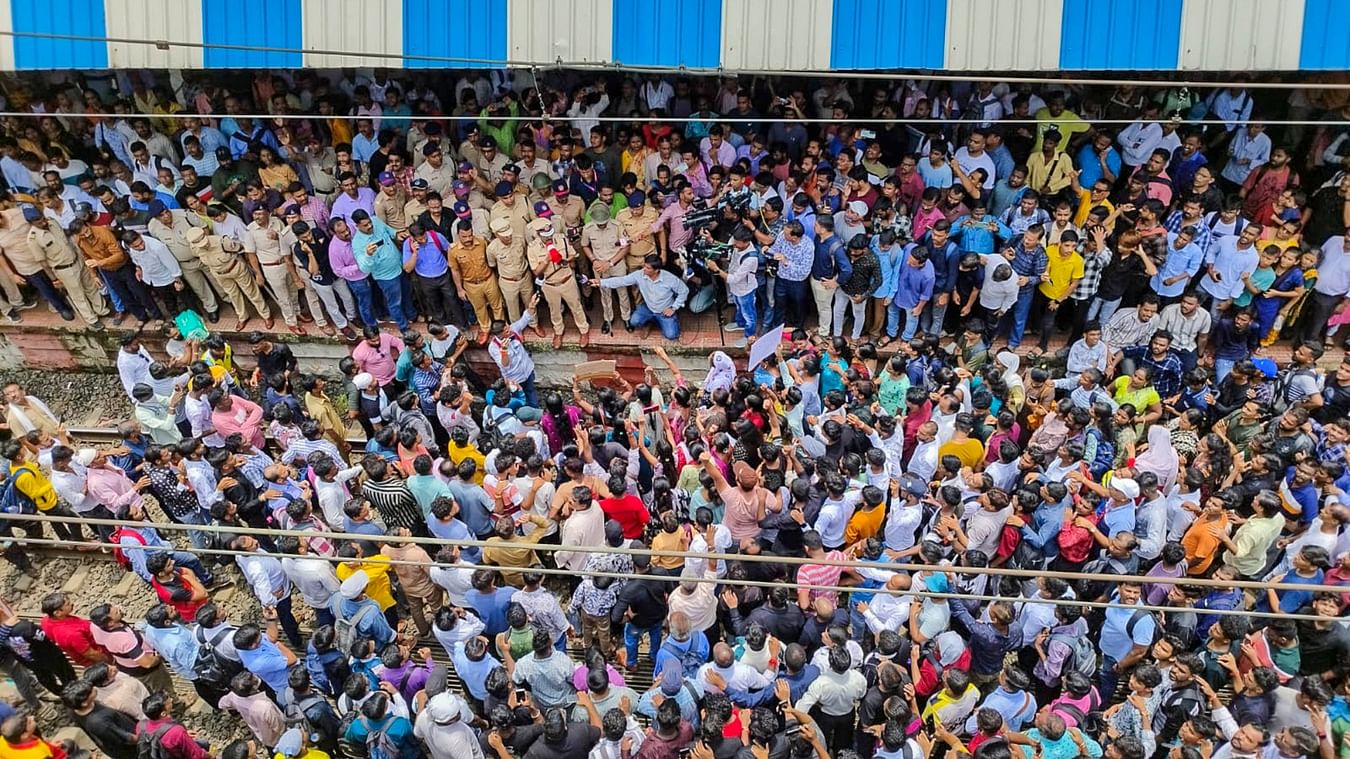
x=1154, y=461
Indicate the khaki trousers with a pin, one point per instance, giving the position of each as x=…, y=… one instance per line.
x=608, y=296
x=283, y=291
x=824, y=298
x=194, y=276
x=567, y=293
x=517, y=297
x=486, y=299
x=239, y=290
x=82, y=292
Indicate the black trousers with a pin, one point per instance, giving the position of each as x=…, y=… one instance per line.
x=134, y=294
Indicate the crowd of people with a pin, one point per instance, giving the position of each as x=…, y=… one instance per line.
x=809, y=553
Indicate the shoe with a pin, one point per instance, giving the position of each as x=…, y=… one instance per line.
x=118, y=318
x=213, y=316
x=239, y=325
x=306, y=318
x=585, y=339
x=628, y=327
x=296, y=329
x=269, y=323
x=606, y=328
x=327, y=329
x=67, y=315
x=557, y=340
x=97, y=326
x=24, y=306
x=348, y=333
x=13, y=317
x=733, y=328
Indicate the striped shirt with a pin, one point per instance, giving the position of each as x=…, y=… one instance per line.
x=1185, y=329
x=821, y=574
x=395, y=503
x=1203, y=234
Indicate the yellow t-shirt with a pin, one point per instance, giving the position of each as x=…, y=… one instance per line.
x=377, y=569
x=865, y=523
x=1085, y=205
x=1141, y=399
x=1060, y=272
x=970, y=451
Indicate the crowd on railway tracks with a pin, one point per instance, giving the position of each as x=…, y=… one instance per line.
x=813, y=555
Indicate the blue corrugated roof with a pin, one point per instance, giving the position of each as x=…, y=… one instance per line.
x=1120, y=34
x=259, y=23
x=454, y=28
x=888, y=34
x=671, y=33
x=77, y=17
x=1325, y=44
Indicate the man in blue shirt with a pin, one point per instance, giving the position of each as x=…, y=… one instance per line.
x=352, y=606
x=1029, y=262
x=663, y=295
x=913, y=291
x=489, y=601
x=1184, y=258
x=1126, y=635
x=377, y=252
x=795, y=254
x=1098, y=159
x=831, y=266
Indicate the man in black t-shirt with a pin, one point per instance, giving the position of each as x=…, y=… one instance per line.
x=114, y=732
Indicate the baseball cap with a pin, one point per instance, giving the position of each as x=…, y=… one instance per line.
x=503, y=188
x=462, y=210
x=465, y=166
x=460, y=187
x=1127, y=487
x=488, y=142
x=511, y=167
x=293, y=208
x=913, y=484
x=386, y=178
x=290, y=743
x=31, y=213
x=420, y=184
x=858, y=207
x=636, y=199
x=560, y=188
x=542, y=210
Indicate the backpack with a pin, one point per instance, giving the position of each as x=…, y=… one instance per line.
x=210, y=668
x=150, y=745
x=1082, y=655
x=1090, y=722
x=1138, y=616
x=690, y=661
x=13, y=500
x=346, y=628
x=117, y=551
x=294, y=713
x=378, y=743
x=1280, y=397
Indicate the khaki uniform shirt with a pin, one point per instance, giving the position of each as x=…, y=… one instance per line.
x=266, y=246
x=389, y=209
x=14, y=243
x=509, y=259
x=53, y=247
x=470, y=262
x=223, y=256
x=519, y=215
x=570, y=212
x=554, y=273
x=174, y=236
x=603, y=241
x=440, y=180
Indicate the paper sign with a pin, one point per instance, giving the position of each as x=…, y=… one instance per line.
x=594, y=370
x=765, y=346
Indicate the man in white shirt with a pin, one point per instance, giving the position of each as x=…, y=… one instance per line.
x=1138, y=140
x=264, y=574
x=314, y=577
x=973, y=156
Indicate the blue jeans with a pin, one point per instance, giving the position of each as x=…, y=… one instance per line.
x=531, y=395
x=893, y=312
x=1222, y=366
x=632, y=635
x=1021, y=310
x=642, y=316
x=1106, y=678
x=392, y=289
x=43, y=284
x=365, y=303
x=189, y=561
x=745, y=313
x=933, y=317
x=118, y=305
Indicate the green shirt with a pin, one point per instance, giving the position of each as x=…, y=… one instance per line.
x=1252, y=540
x=1261, y=279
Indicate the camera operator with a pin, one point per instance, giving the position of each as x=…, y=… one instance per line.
x=741, y=281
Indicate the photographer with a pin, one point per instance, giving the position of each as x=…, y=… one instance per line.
x=741, y=280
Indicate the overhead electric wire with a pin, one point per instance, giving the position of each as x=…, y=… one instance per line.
x=706, y=555
x=559, y=63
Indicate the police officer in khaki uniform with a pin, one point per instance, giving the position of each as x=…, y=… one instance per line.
x=637, y=220
x=568, y=209
x=225, y=259
x=507, y=255
x=170, y=226
x=551, y=259
x=263, y=243
x=600, y=240
x=514, y=210
x=50, y=244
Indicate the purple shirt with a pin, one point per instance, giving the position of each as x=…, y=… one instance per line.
x=409, y=678
x=343, y=262
x=431, y=261
x=345, y=205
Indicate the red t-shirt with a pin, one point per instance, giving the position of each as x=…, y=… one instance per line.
x=71, y=634
x=630, y=512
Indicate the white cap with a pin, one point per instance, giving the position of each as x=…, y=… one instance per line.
x=86, y=456
x=363, y=380
x=354, y=586
x=858, y=207
x=1127, y=487
x=446, y=708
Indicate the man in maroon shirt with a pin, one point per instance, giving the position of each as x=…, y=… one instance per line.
x=69, y=632
x=177, y=742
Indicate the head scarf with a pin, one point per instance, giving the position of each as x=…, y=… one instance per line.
x=1011, y=363
x=720, y=374
x=1160, y=458
x=950, y=647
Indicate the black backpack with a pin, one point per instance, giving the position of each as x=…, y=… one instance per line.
x=150, y=745
x=211, y=669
